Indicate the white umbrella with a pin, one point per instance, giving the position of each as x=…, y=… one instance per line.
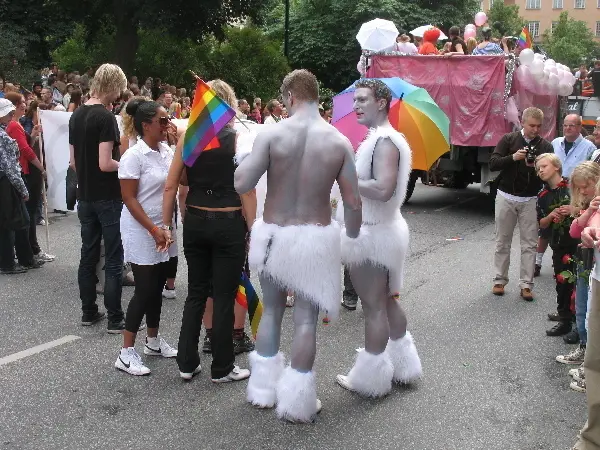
x=377, y=35
x=419, y=31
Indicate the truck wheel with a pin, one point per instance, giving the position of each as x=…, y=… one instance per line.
x=412, y=181
x=456, y=180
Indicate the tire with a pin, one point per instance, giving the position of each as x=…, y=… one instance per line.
x=412, y=181
x=456, y=181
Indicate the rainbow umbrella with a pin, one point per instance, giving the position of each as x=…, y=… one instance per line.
x=413, y=113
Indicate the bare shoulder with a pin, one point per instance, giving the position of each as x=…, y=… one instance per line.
x=331, y=137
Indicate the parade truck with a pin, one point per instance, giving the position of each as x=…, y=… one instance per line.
x=483, y=101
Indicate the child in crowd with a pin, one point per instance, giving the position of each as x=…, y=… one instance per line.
x=554, y=212
x=584, y=180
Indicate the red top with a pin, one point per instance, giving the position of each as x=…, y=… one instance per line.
x=15, y=130
x=427, y=48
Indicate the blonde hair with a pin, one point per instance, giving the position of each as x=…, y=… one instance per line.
x=128, y=126
x=586, y=172
x=533, y=113
x=226, y=93
x=109, y=79
x=552, y=158
x=471, y=44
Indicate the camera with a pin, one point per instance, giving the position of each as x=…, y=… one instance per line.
x=530, y=155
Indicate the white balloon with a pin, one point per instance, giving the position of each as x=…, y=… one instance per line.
x=553, y=70
x=564, y=88
x=553, y=79
x=526, y=56
x=573, y=80
x=538, y=56
x=551, y=62
x=536, y=67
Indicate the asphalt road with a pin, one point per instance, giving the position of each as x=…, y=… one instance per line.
x=490, y=379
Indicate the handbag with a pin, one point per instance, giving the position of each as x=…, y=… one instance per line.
x=71, y=187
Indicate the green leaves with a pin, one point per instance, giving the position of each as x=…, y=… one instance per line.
x=505, y=20
x=571, y=42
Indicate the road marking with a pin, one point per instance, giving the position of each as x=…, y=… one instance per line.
x=37, y=349
x=466, y=200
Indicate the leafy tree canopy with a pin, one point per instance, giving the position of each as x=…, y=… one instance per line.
x=571, y=42
x=505, y=20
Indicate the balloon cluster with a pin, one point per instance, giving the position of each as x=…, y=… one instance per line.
x=544, y=76
x=471, y=29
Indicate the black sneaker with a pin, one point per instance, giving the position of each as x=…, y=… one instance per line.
x=87, y=321
x=554, y=317
x=13, y=270
x=559, y=329
x=207, y=345
x=572, y=337
x=350, y=303
x=36, y=264
x=115, y=327
x=537, y=270
x=243, y=345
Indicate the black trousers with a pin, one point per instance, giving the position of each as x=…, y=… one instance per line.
x=563, y=290
x=147, y=297
x=33, y=181
x=214, y=244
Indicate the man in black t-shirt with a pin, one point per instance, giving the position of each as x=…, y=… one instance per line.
x=94, y=141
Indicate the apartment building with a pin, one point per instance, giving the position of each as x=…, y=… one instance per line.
x=543, y=14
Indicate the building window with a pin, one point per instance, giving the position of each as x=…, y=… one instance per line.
x=558, y=4
x=579, y=4
x=491, y=3
x=597, y=29
x=534, y=29
x=554, y=25
x=534, y=4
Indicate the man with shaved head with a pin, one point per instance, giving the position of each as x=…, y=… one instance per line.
x=572, y=148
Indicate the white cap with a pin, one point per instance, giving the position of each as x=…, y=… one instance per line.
x=6, y=107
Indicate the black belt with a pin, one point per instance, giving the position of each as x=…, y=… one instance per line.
x=204, y=214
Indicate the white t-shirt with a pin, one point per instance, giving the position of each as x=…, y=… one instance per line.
x=271, y=120
x=150, y=167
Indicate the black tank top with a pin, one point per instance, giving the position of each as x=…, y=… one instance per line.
x=211, y=177
x=456, y=41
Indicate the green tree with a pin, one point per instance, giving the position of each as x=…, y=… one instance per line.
x=323, y=32
x=571, y=42
x=505, y=20
x=182, y=19
x=249, y=61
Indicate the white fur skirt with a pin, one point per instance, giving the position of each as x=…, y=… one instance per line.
x=384, y=244
x=305, y=259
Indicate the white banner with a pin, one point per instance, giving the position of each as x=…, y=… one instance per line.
x=55, y=126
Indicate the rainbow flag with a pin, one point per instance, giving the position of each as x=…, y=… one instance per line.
x=208, y=116
x=247, y=297
x=524, y=40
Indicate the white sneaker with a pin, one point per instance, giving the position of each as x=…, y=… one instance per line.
x=158, y=347
x=187, y=376
x=169, y=293
x=43, y=256
x=129, y=361
x=236, y=374
x=289, y=302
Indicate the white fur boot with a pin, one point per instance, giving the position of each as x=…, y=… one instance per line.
x=407, y=365
x=296, y=396
x=371, y=375
x=264, y=375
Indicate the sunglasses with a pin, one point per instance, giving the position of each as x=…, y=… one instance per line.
x=164, y=121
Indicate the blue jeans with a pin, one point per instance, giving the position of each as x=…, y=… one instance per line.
x=101, y=220
x=581, y=306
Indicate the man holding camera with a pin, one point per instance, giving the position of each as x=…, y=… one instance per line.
x=518, y=186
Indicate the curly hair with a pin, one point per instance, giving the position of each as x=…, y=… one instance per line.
x=109, y=79
x=379, y=88
x=585, y=173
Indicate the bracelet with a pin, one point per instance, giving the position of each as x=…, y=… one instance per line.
x=153, y=230
x=167, y=227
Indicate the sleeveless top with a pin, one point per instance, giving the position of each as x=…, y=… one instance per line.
x=456, y=41
x=210, y=179
x=375, y=211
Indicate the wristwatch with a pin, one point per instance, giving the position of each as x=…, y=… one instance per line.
x=167, y=227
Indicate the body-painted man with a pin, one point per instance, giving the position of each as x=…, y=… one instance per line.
x=295, y=246
x=376, y=257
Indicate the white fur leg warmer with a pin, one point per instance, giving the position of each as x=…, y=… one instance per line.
x=296, y=396
x=371, y=375
x=404, y=356
x=264, y=375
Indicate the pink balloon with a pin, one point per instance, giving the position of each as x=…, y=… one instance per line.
x=470, y=33
x=470, y=26
x=480, y=18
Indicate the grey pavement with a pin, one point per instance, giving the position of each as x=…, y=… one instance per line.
x=490, y=379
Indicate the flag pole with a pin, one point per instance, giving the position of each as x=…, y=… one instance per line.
x=235, y=117
x=44, y=196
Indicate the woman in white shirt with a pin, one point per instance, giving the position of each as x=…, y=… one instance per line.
x=143, y=171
